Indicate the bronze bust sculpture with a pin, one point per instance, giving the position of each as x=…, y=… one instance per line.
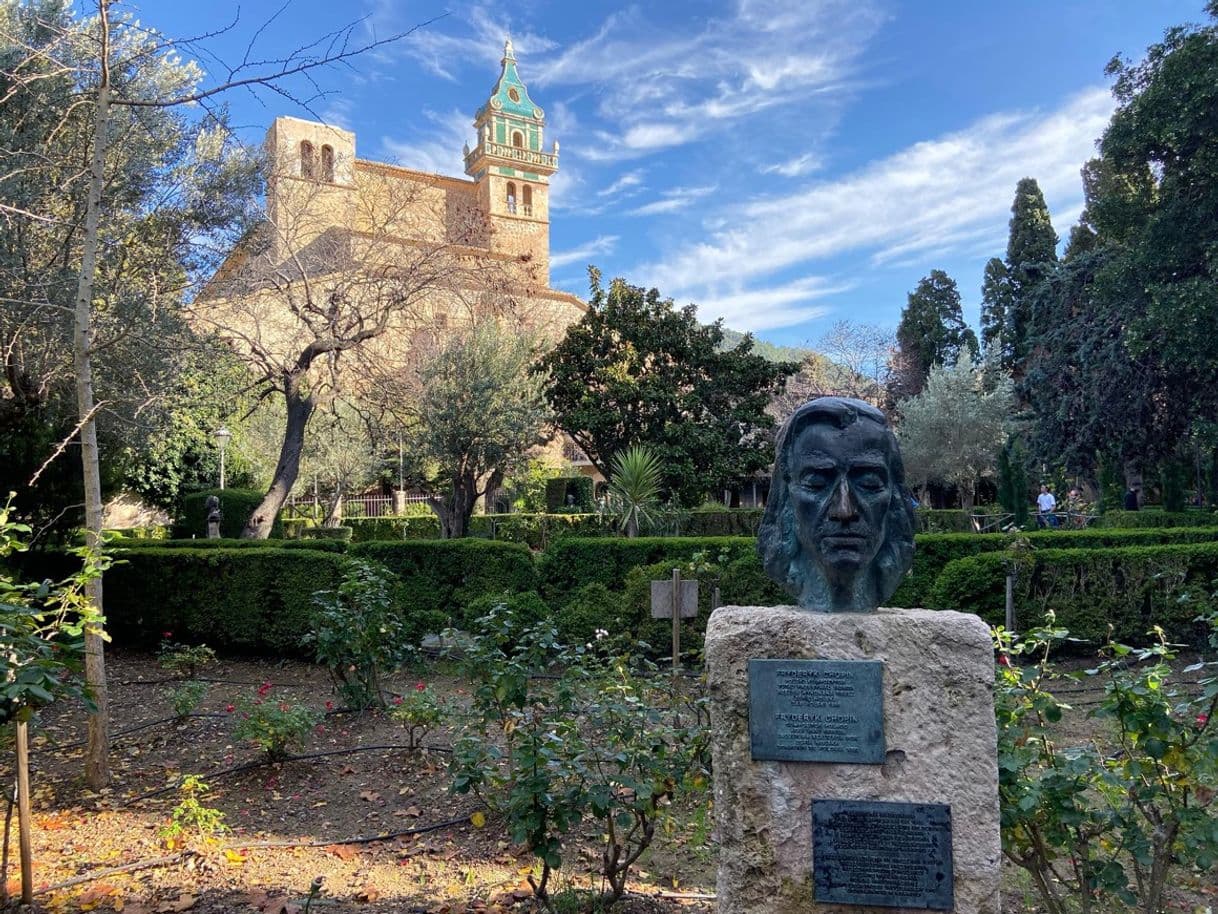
x=838, y=526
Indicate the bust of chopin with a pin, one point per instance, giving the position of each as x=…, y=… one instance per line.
x=838, y=526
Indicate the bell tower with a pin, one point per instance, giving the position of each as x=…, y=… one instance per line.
x=513, y=173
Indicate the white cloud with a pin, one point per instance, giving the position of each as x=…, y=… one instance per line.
x=939, y=195
x=629, y=183
x=439, y=48
x=794, y=168
x=670, y=201
x=778, y=305
x=439, y=152
x=602, y=244
x=662, y=87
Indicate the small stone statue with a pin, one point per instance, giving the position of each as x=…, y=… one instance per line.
x=213, y=517
x=838, y=526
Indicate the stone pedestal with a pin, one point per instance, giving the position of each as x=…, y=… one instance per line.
x=940, y=740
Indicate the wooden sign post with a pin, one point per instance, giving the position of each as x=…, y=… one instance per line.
x=676, y=599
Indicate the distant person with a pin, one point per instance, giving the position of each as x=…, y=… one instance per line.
x=1131, y=499
x=1045, y=505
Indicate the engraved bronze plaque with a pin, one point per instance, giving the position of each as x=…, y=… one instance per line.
x=893, y=855
x=817, y=711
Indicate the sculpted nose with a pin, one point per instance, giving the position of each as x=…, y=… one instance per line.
x=842, y=506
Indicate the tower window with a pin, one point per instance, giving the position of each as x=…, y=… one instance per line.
x=527, y=199
x=327, y=164
x=308, y=167
x=518, y=139
x=511, y=198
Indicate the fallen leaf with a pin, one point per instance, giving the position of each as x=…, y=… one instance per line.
x=181, y=903
x=343, y=851
x=478, y=819
x=369, y=894
x=369, y=796
x=233, y=856
x=412, y=811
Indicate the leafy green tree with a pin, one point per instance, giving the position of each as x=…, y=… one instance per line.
x=1155, y=200
x=1089, y=393
x=932, y=332
x=480, y=409
x=1031, y=255
x=951, y=433
x=637, y=370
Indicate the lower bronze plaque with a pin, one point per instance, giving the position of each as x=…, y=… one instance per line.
x=895, y=855
x=817, y=710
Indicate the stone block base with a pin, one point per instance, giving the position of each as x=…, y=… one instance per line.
x=940, y=738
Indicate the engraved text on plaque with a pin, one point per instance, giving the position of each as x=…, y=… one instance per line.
x=896, y=855
x=817, y=710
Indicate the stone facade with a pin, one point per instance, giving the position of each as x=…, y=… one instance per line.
x=329, y=209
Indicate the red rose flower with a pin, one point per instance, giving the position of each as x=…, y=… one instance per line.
x=230, y=708
x=420, y=687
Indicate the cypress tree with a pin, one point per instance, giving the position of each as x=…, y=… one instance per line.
x=1031, y=255
x=932, y=332
x=995, y=302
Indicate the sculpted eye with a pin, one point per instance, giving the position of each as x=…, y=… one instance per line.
x=871, y=482
x=814, y=481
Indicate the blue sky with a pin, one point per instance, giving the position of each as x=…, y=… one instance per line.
x=784, y=164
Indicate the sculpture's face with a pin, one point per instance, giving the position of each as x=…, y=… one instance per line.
x=840, y=488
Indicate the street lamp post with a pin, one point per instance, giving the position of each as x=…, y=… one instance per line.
x=222, y=436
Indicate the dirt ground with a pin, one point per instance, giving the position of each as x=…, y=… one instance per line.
x=334, y=806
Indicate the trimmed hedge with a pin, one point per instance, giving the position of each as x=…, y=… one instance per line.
x=328, y=534
x=240, y=599
x=236, y=506
x=314, y=545
x=1157, y=517
x=573, y=563
x=935, y=550
x=442, y=577
x=1131, y=588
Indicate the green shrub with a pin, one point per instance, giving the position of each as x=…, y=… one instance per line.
x=943, y=520
x=1131, y=588
x=572, y=563
x=745, y=583
x=637, y=623
x=237, y=599
x=236, y=506
x=579, y=488
x=274, y=726
x=592, y=609
x=527, y=607
x=935, y=550
x=313, y=545
x=443, y=576
x=332, y=534
x=356, y=634
x=1157, y=517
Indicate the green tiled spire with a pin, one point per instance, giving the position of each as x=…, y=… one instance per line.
x=511, y=129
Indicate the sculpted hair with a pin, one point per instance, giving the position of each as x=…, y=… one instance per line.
x=776, y=538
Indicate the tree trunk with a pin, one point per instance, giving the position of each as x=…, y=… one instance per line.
x=97, y=762
x=300, y=408
x=455, y=508
x=334, y=516
x=967, y=495
x=1133, y=474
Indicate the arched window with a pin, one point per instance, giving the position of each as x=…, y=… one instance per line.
x=308, y=168
x=518, y=139
x=511, y=198
x=327, y=164
x=527, y=199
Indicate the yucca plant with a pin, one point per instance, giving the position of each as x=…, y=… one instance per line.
x=634, y=488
